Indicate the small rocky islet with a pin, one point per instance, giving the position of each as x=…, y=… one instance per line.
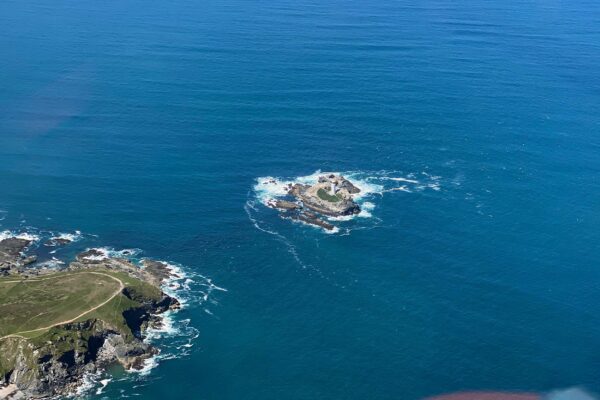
x=54, y=359
x=331, y=196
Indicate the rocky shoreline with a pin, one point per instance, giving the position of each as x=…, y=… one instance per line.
x=55, y=362
x=331, y=196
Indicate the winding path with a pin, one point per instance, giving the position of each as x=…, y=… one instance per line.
x=115, y=294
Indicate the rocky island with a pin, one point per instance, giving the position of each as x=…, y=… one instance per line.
x=331, y=196
x=58, y=326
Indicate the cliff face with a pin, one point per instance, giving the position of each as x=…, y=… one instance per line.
x=54, y=362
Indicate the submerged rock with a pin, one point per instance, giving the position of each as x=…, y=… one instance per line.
x=57, y=241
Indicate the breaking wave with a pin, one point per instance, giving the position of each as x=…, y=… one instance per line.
x=71, y=237
x=104, y=253
x=19, y=235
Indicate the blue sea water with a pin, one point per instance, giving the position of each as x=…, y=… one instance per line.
x=150, y=124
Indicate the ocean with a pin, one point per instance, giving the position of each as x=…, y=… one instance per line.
x=472, y=125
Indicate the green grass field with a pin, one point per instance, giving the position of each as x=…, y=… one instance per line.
x=112, y=312
x=323, y=195
x=30, y=304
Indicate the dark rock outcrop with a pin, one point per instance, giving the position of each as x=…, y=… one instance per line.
x=57, y=241
x=157, y=269
x=284, y=205
x=313, y=220
x=91, y=256
x=13, y=246
x=12, y=256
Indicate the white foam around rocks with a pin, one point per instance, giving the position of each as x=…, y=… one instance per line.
x=22, y=235
x=107, y=252
x=53, y=263
x=104, y=383
x=269, y=188
x=71, y=237
x=104, y=254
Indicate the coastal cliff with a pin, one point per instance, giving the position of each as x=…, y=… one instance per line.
x=58, y=326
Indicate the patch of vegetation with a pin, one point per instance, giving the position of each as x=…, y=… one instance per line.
x=34, y=303
x=29, y=304
x=323, y=195
x=138, y=293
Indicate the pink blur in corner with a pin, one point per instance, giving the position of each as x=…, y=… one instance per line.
x=486, y=396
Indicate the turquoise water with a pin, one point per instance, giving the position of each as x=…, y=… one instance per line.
x=148, y=123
